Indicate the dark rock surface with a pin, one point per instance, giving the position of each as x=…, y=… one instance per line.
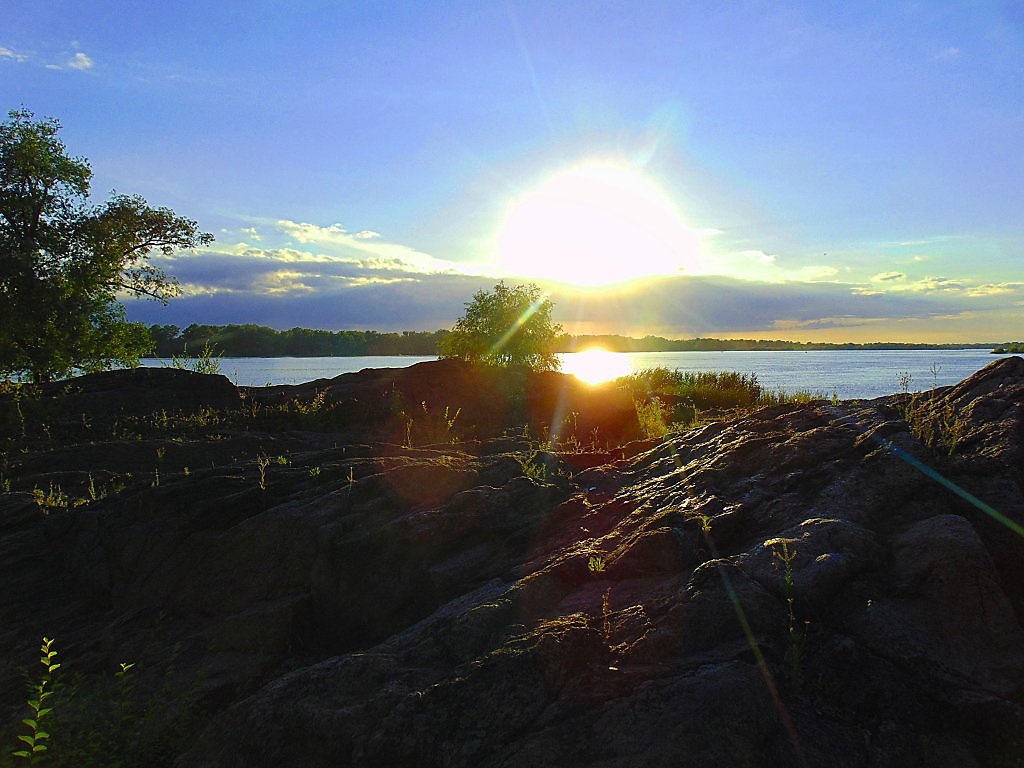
x=380, y=605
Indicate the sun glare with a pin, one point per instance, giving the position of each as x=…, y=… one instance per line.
x=595, y=224
x=595, y=366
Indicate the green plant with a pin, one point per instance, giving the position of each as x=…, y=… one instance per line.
x=785, y=553
x=650, y=416
x=509, y=325
x=40, y=692
x=597, y=565
x=704, y=521
x=1010, y=348
x=937, y=423
x=313, y=406
x=531, y=465
x=207, y=361
x=314, y=472
x=67, y=262
x=262, y=462
x=55, y=498
x=431, y=428
x=700, y=389
x=798, y=397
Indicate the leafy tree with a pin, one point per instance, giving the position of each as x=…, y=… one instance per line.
x=510, y=325
x=64, y=262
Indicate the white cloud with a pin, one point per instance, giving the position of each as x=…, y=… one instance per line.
x=996, y=289
x=947, y=53
x=369, y=252
x=930, y=284
x=7, y=53
x=367, y=234
x=80, y=61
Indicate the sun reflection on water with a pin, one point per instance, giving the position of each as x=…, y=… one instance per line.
x=596, y=366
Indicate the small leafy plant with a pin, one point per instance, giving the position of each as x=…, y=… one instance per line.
x=786, y=554
x=531, y=465
x=206, y=361
x=262, y=462
x=939, y=424
x=650, y=416
x=55, y=498
x=314, y=406
x=40, y=692
x=431, y=428
x=597, y=565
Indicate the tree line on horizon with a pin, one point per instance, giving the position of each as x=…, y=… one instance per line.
x=249, y=340
x=260, y=341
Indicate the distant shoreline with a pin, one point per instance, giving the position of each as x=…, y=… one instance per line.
x=260, y=341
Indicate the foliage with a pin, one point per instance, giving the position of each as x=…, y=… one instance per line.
x=510, y=325
x=64, y=262
x=799, y=397
x=39, y=692
x=1010, y=348
x=651, y=417
x=314, y=406
x=785, y=551
x=56, y=498
x=436, y=428
x=696, y=391
x=250, y=340
x=704, y=389
x=936, y=422
x=259, y=341
x=617, y=343
x=206, y=362
x=262, y=462
x=532, y=464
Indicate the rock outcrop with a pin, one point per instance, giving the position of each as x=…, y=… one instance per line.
x=821, y=584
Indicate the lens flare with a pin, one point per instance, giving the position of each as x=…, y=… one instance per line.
x=595, y=366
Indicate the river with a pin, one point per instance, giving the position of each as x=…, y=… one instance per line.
x=847, y=373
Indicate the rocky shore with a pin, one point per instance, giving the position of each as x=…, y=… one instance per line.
x=442, y=566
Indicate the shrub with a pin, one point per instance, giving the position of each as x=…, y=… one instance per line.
x=704, y=389
x=510, y=325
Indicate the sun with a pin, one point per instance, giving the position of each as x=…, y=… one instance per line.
x=595, y=224
x=596, y=365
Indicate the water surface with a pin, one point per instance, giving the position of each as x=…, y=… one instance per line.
x=847, y=373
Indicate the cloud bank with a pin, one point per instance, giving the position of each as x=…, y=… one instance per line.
x=329, y=277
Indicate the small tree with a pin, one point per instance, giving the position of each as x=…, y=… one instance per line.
x=64, y=262
x=510, y=325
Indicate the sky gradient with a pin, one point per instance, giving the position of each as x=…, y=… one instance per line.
x=827, y=171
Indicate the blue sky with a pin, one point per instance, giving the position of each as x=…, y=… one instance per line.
x=839, y=171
